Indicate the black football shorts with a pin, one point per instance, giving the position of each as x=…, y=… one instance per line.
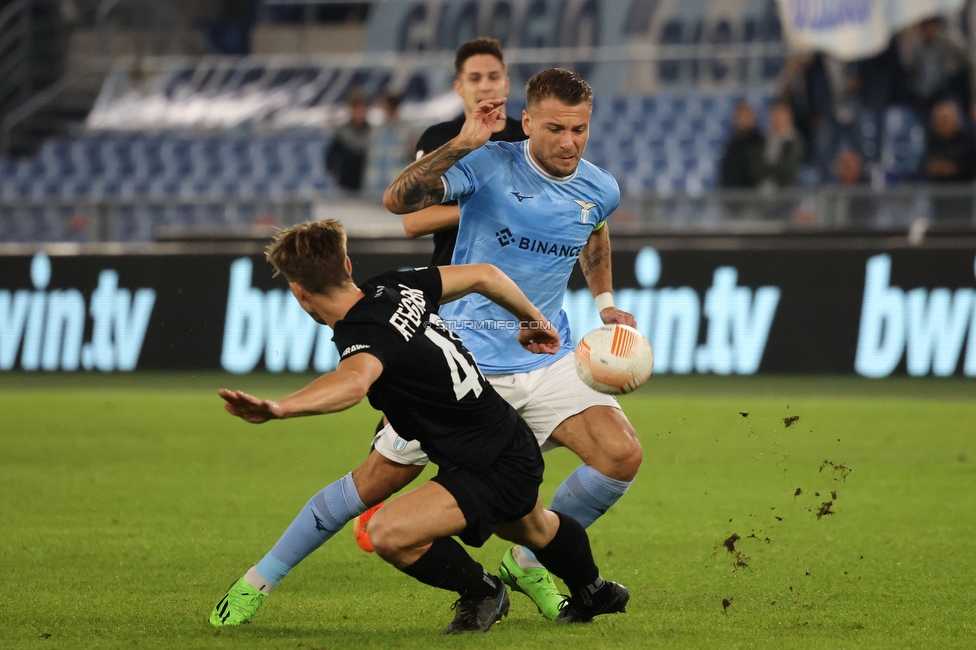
x=503, y=492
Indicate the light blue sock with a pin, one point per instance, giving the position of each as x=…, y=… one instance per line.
x=322, y=517
x=585, y=495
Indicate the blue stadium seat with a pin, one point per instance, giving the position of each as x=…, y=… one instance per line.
x=126, y=225
x=55, y=156
x=648, y=107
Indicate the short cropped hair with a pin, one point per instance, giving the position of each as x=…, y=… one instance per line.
x=558, y=83
x=475, y=47
x=313, y=254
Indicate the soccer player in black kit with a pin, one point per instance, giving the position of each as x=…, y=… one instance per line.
x=396, y=351
x=479, y=73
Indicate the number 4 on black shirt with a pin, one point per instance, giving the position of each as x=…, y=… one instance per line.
x=431, y=389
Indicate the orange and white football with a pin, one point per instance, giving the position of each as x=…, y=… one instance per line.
x=614, y=359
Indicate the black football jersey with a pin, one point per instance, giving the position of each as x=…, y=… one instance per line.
x=431, y=389
x=437, y=136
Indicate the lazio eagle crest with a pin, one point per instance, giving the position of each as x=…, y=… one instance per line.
x=585, y=212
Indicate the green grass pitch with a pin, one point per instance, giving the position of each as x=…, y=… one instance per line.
x=128, y=503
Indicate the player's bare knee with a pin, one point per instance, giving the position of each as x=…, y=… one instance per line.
x=629, y=461
x=632, y=462
x=534, y=531
x=539, y=537
x=621, y=459
x=387, y=543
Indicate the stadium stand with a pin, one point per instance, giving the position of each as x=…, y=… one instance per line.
x=199, y=142
x=667, y=144
x=170, y=165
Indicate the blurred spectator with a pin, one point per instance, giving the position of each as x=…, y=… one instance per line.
x=936, y=65
x=231, y=32
x=824, y=94
x=839, y=121
x=743, y=152
x=795, y=90
x=883, y=82
x=345, y=158
x=390, y=146
x=950, y=157
x=783, y=151
x=849, y=168
x=856, y=204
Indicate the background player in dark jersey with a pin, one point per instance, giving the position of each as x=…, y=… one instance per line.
x=395, y=350
x=480, y=73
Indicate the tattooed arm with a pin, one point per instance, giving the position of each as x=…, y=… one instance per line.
x=595, y=262
x=419, y=185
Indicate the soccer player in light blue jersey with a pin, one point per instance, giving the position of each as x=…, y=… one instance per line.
x=533, y=223
x=533, y=209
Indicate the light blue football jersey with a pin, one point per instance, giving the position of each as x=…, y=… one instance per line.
x=532, y=226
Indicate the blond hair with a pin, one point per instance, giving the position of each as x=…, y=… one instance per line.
x=313, y=254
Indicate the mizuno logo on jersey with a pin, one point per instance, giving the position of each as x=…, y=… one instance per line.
x=354, y=348
x=584, y=216
x=520, y=197
x=505, y=236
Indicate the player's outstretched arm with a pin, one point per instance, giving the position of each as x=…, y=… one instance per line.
x=595, y=263
x=537, y=334
x=419, y=185
x=334, y=391
x=430, y=220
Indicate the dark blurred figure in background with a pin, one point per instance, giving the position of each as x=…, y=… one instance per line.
x=950, y=157
x=231, y=32
x=883, y=83
x=936, y=65
x=856, y=204
x=794, y=89
x=849, y=168
x=834, y=88
x=390, y=146
x=784, y=149
x=345, y=159
x=743, y=152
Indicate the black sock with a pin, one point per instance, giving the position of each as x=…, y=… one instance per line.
x=446, y=565
x=568, y=555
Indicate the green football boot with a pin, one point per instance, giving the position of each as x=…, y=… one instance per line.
x=238, y=604
x=535, y=583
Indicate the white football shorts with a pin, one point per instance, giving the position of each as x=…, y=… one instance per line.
x=543, y=397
